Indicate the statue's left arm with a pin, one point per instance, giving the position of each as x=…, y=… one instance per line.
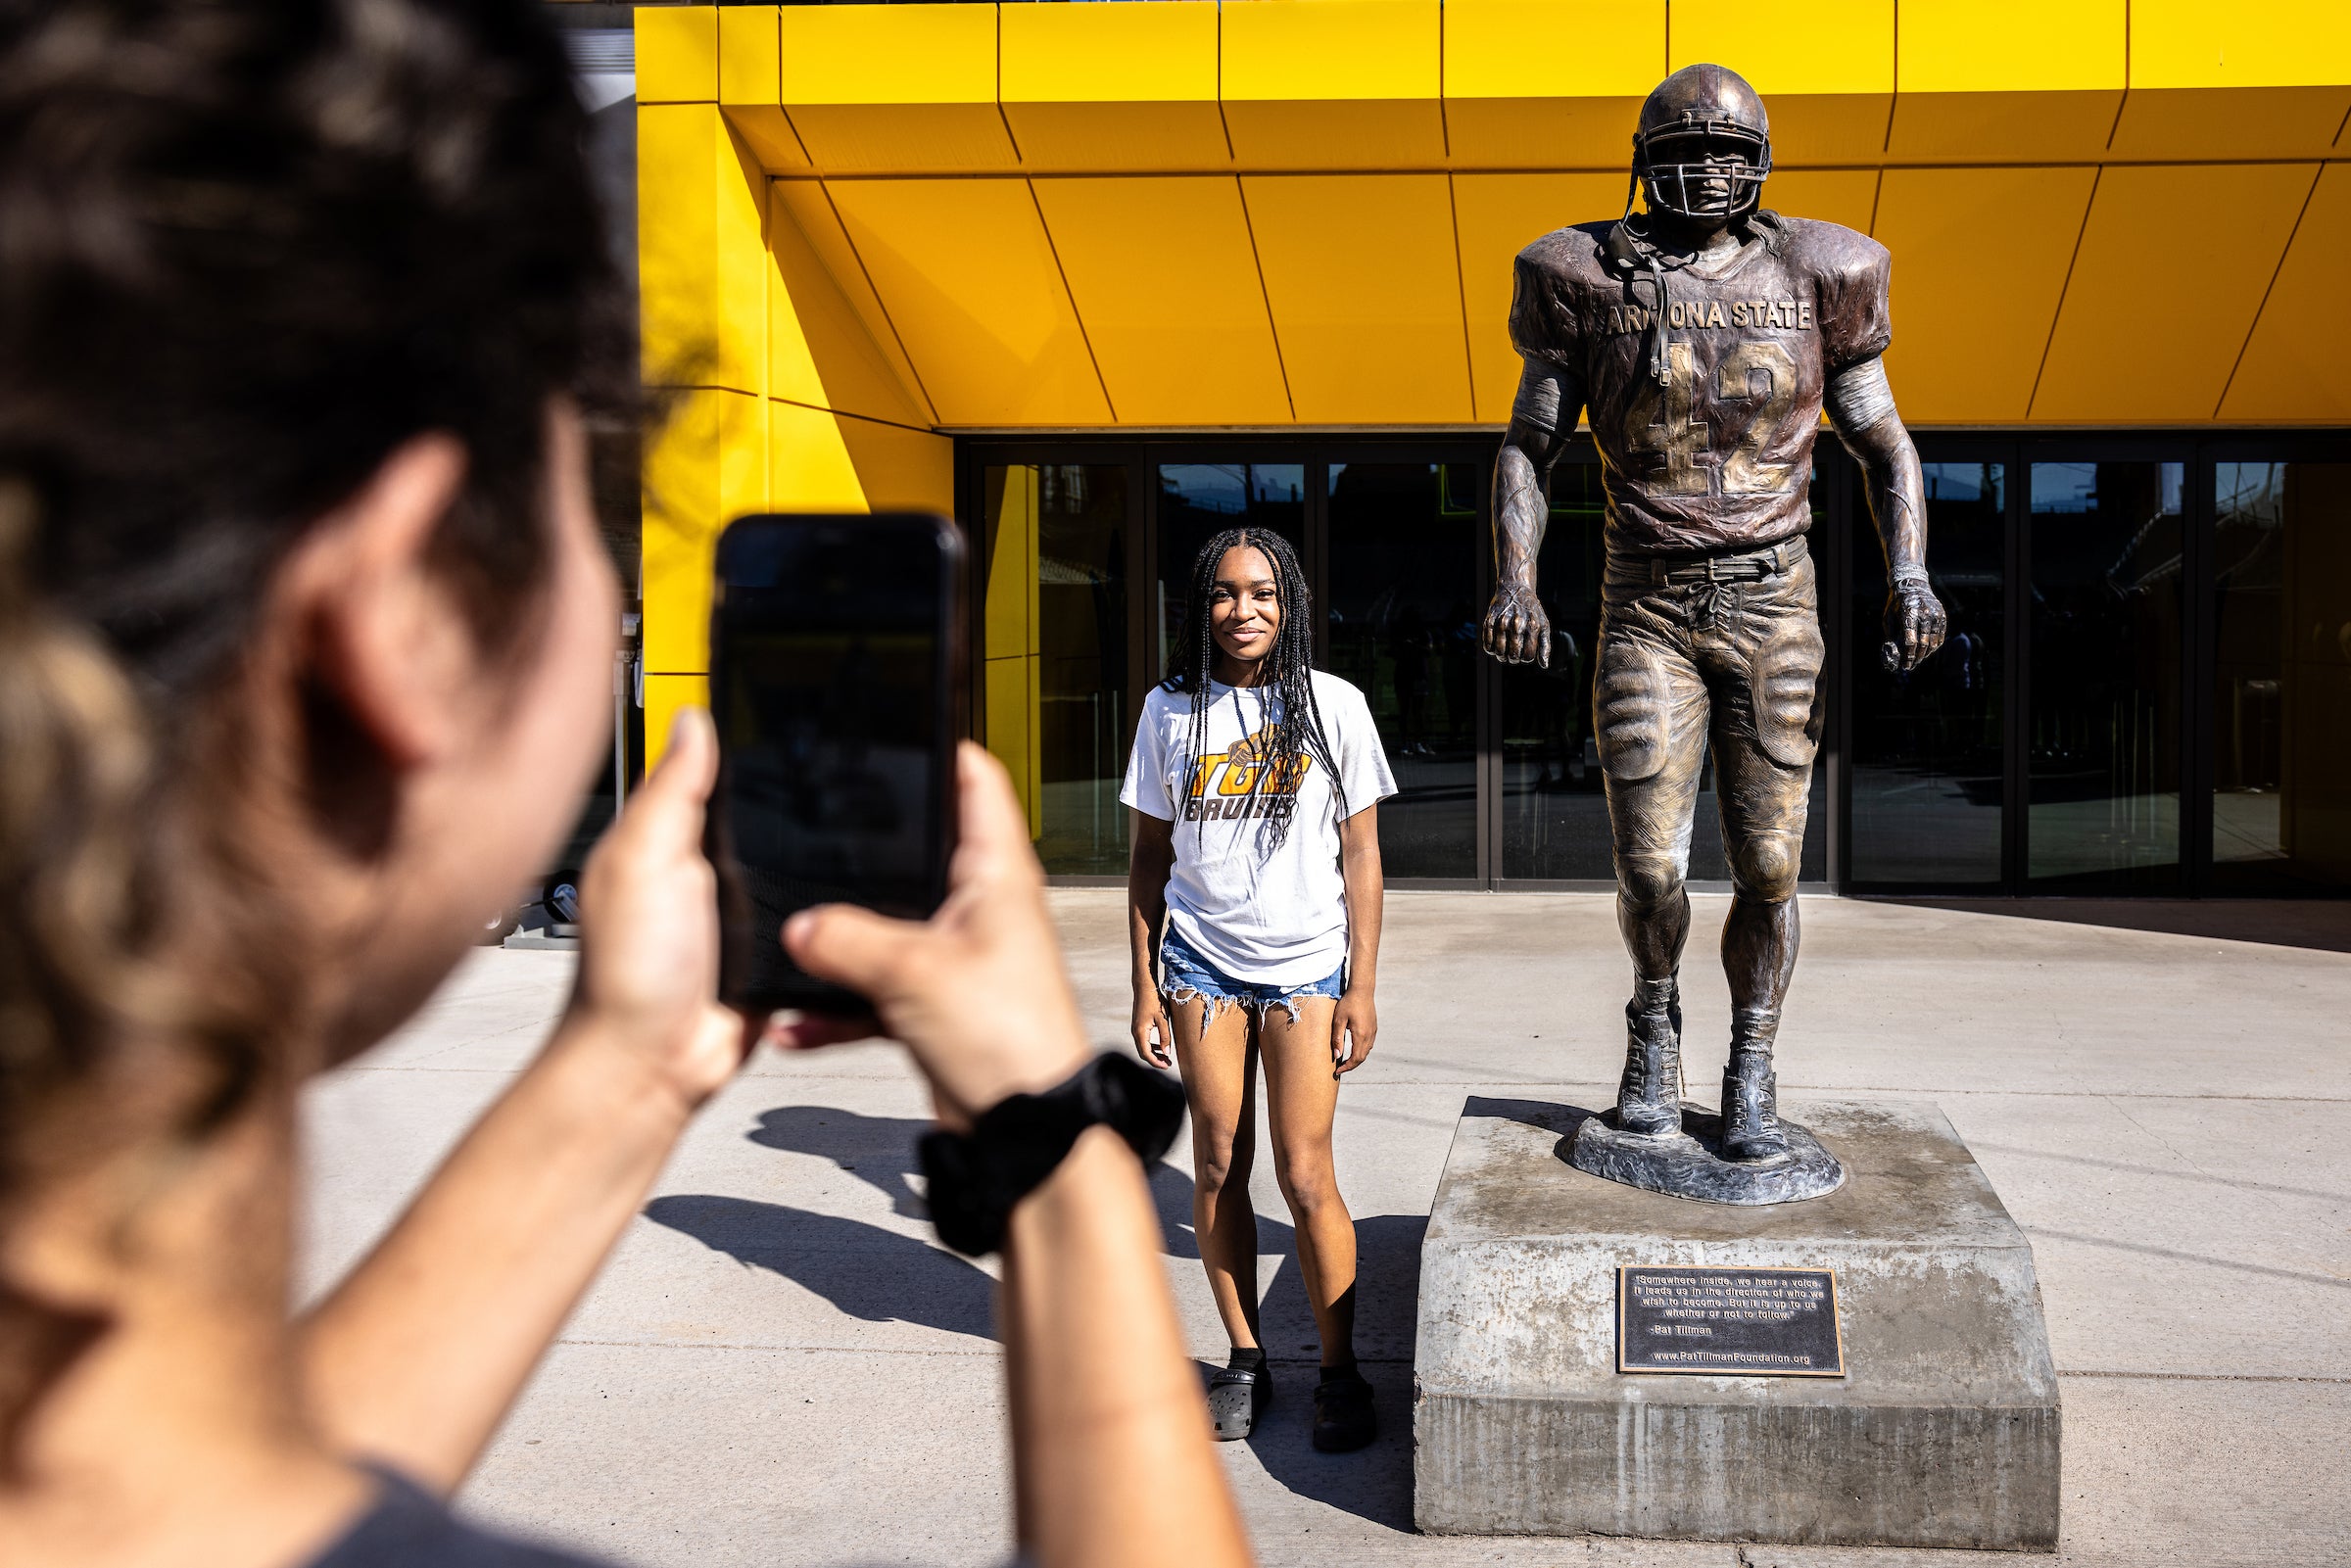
x=1861, y=407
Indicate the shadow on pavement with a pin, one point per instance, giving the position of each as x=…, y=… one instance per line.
x=2320, y=924
x=868, y=1272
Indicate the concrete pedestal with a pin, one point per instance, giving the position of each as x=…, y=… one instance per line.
x=1942, y=1433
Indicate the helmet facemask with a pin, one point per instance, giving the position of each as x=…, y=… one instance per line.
x=1705, y=169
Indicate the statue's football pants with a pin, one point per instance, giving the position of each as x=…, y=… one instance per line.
x=1680, y=663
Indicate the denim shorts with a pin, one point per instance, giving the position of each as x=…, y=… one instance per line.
x=1183, y=975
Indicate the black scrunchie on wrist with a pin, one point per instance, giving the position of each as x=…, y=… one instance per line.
x=975, y=1178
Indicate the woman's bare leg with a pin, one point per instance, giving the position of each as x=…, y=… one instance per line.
x=1302, y=1096
x=1217, y=1059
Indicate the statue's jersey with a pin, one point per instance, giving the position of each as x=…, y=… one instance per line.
x=1718, y=455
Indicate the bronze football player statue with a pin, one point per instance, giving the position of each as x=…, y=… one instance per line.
x=1704, y=336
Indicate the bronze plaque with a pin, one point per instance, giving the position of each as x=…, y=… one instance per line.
x=1745, y=1322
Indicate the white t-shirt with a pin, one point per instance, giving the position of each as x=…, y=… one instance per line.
x=1266, y=913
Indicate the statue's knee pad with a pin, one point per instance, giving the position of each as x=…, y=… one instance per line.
x=1786, y=678
x=1766, y=867
x=1648, y=882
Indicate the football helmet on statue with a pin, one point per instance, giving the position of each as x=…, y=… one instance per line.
x=1703, y=147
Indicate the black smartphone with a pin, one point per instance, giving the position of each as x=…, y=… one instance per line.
x=837, y=685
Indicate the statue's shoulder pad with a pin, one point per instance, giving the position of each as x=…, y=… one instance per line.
x=1830, y=247
x=1571, y=253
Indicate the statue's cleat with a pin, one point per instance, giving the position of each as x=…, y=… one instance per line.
x=1648, y=1098
x=1751, y=1111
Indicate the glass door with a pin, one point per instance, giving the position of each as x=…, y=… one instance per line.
x=2105, y=541
x=1053, y=645
x=1928, y=749
x=1401, y=610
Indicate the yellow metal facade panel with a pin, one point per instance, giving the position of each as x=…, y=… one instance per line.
x=1553, y=49
x=810, y=210
x=885, y=55
x=891, y=88
x=1980, y=258
x=2243, y=43
x=705, y=465
x=1967, y=127
x=2012, y=46
x=1828, y=82
x=677, y=54
x=2205, y=123
x=1334, y=134
x=970, y=280
x=1364, y=276
x=1847, y=196
x=664, y=695
x=2151, y=325
x=2292, y=369
x=1135, y=53
x=701, y=264
x=1127, y=86
x=901, y=469
x=1011, y=650
x=767, y=131
x=750, y=55
x=808, y=464
x=900, y=138
x=1541, y=132
x=1095, y=137
x=1499, y=216
x=1284, y=50
x=1166, y=282
x=820, y=351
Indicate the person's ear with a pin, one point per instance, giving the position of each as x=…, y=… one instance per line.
x=386, y=638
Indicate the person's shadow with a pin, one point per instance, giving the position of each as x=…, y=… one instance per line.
x=879, y=1275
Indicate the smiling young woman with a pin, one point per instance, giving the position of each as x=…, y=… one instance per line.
x=1254, y=905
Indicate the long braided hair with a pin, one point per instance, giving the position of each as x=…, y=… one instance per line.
x=1297, y=730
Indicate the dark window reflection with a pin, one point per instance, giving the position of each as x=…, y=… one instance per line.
x=1055, y=651
x=2281, y=680
x=1401, y=610
x=1198, y=501
x=1927, y=747
x=2104, y=803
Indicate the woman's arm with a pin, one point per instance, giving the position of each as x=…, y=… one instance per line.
x=1355, y=1025
x=1112, y=1461
x=1148, y=866
x=416, y=1358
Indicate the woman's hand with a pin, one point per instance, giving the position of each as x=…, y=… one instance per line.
x=976, y=992
x=1353, y=1030
x=648, y=983
x=1154, y=1037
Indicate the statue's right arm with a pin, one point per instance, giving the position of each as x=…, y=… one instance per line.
x=1517, y=628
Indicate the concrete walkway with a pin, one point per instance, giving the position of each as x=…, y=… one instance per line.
x=781, y=1367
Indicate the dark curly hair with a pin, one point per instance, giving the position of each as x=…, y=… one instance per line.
x=248, y=248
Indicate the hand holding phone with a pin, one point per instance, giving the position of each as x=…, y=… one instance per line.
x=836, y=674
x=978, y=992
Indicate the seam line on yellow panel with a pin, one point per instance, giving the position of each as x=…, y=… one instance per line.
x=880, y=303
x=1444, y=121
x=1460, y=292
x=2275, y=274
x=1018, y=156
x=845, y=413
x=1223, y=123
x=2067, y=287
x=2338, y=130
x=1062, y=272
x=1265, y=292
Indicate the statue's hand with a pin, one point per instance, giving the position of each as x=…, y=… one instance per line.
x=1516, y=631
x=1914, y=624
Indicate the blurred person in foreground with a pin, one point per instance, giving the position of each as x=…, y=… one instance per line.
x=303, y=314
